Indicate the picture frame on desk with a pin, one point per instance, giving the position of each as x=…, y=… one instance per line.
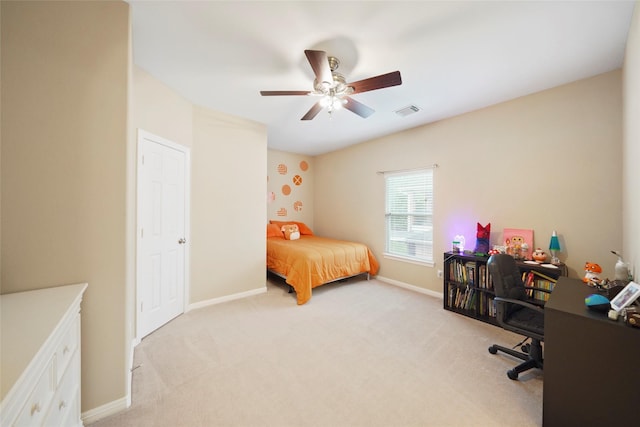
x=629, y=294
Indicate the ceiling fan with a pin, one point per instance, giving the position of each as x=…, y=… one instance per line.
x=333, y=89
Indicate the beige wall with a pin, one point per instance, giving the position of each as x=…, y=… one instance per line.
x=290, y=187
x=64, y=138
x=228, y=161
x=548, y=161
x=160, y=110
x=228, y=187
x=631, y=146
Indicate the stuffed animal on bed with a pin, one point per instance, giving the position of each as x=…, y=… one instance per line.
x=482, y=238
x=291, y=231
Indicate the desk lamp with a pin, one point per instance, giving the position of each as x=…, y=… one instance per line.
x=554, y=247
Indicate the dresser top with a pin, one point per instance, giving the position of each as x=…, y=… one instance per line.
x=28, y=319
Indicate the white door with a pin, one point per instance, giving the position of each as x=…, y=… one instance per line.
x=162, y=243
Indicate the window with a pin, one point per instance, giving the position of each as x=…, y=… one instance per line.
x=409, y=215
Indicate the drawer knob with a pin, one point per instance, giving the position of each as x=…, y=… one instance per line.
x=65, y=350
x=62, y=405
x=35, y=408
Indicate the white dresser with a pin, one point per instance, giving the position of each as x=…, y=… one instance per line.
x=40, y=357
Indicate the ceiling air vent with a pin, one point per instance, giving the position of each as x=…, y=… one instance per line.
x=404, y=112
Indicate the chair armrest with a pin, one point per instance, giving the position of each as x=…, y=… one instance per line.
x=533, y=288
x=521, y=303
x=535, y=301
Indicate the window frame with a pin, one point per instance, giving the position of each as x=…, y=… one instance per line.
x=409, y=216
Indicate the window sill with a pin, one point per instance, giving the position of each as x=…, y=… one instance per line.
x=409, y=260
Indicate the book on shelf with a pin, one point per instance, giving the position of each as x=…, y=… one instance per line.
x=486, y=306
x=467, y=273
x=462, y=298
x=534, y=278
x=470, y=269
x=452, y=294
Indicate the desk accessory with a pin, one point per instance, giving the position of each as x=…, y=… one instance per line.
x=629, y=294
x=458, y=244
x=621, y=268
x=554, y=247
x=515, y=238
x=633, y=319
x=539, y=255
x=482, y=238
x=597, y=302
x=591, y=273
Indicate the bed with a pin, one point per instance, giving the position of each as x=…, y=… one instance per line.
x=312, y=261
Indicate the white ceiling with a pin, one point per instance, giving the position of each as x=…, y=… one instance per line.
x=454, y=57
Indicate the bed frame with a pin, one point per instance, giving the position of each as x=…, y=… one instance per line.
x=291, y=289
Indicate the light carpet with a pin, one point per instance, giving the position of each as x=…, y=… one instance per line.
x=359, y=353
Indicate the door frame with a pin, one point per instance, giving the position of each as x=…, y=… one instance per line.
x=145, y=135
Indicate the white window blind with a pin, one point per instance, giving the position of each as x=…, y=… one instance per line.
x=409, y=214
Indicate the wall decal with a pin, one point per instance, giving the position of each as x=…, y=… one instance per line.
x=290, y=179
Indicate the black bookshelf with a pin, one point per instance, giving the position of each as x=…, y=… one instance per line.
x=468, y=288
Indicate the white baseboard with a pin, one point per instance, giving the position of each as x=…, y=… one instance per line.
x=410, y=287
x=219, y=300
x=134, y=343
x=116, y=406
x=95, y=414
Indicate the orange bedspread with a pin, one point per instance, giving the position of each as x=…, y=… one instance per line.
x=312, y=261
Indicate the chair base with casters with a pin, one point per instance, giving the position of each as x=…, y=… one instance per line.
x=531, y=354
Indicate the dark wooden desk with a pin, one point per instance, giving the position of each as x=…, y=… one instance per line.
x=591, y=363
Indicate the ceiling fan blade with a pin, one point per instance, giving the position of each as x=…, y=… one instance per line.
x=320, y=64
x=358, y=107
x=283, y=92
x=313, y=111
x=377, y=82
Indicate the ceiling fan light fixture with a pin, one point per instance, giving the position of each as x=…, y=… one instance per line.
x=332, y=88
x=325, y=101
x=322, y=87
x=332, y=102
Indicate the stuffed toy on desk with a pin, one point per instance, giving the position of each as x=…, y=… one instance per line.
x=591, y=273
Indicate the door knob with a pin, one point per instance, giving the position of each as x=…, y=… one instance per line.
x=182, y=241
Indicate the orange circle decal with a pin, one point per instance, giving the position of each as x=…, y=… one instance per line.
x=286, y=190
x=297, y=180
x=304, y=166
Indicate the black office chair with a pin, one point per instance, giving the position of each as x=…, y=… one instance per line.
x=516, y=312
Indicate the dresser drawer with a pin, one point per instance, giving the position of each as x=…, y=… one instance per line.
x=67, y=395
x=66, y=347
x=35, y=408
